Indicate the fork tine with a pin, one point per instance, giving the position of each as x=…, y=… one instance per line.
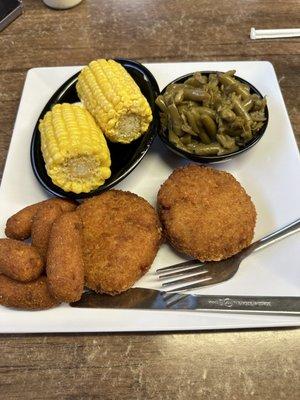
x=180, y=280
x=193, y=285
x=174, y=267
x=184, y=271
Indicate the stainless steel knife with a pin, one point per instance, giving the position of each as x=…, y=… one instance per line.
x=149, y=299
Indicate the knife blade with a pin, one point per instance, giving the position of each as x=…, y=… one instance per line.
x=150, y=299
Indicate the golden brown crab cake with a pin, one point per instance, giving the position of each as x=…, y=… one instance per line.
x=206, y=213
x=121, y=236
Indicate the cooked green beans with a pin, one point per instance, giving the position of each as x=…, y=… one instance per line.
x=209, y=125
x=211, y=115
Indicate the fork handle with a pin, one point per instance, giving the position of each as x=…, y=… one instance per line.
x=275, y=236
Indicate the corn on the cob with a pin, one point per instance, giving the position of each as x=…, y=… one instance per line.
x=115, y=100
x=76, y=155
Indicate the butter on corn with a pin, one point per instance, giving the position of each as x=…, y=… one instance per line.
x=114, y=99
x=75, y=151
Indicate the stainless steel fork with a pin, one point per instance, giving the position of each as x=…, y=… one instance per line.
x=194, y=274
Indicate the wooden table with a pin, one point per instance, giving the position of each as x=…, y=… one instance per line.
x=262, y=364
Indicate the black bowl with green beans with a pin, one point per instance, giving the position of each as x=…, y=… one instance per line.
x=211, y=116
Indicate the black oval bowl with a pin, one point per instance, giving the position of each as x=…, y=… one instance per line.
x=124, y=157
x=163, y=133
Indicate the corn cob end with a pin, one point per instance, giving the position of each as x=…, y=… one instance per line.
x=114, y=99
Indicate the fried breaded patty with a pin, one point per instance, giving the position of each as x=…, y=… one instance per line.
x=206, y=213
x=121, y=236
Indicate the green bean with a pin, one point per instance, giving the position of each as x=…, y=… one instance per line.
x=240, y=110
x=173, y=138
x=161, y=104
x=201, y=78
x=195, y=120
x=197, y=80
x=187, y=129
x=197, y=127
x=164, y=120
x=186, y=139
x=256, y=126
x=206, y=110
x=227, y=80
x=191, y=104
x=192, y=121
x=233, y=132
x=182, y=116
x=222, y=126
x=175, y=117
x=204, y=149
x=179, y=96
x=226, y=141
x=202, y=134
x=227, y=114
x=226, y=151
x=247, y=133
x=193, y=82
x=209, y=125
x=259, y=104
x=233, y=85
x=238, y=123
x=231, y=72
x=213, y=80
x=257, y=116
x=182, y=108
x=171, y=92
x=248, y=104
x=245, y=87
x=225, y=128
x=174, y=87
x=195, y=94
x=240, y=89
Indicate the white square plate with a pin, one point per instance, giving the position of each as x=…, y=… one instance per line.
x=270, y=173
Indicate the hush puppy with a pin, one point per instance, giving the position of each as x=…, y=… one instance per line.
x=64, y=267
x=33, y=295
x=20, y=261
x=18, y=226
x=41, y=226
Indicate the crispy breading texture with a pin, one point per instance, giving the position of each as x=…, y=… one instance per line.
x=19, y=260
x=121, y=237
x=41, y=226
x=27, y=296
x=65, y=269
x=18, y=226
x=206, y=213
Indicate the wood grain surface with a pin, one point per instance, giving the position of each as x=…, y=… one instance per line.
x=262, y=364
